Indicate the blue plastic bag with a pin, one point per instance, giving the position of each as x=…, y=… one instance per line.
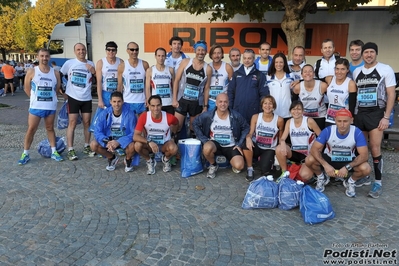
x=289, y=193
x=44, y=149
x=95, y=118
x=62, y=118
x=190, y=155
x=315, y=207
x=261, y=193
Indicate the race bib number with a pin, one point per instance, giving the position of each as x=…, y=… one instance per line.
x=136, y=85
x=116, y=133
x=44, y=94
x=215, y=91
x=222, y=139
x=311, y=112
x=191, y=92
x=163, y=90
x=112, y=84
x=341, y=156
x=158, y=139
x=332, y=111
x=301, y=149
x=367, y=97
x=79, y=79
x=264, y=140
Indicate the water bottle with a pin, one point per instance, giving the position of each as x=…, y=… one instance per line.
x=391, y=118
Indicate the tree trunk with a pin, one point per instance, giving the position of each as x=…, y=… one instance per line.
x=293, y=25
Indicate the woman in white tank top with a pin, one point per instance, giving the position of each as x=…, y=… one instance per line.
x=311, y=93
x=302, y=132
x=261, y=141
x=341, y=91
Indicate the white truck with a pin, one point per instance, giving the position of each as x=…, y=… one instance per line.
x=152, y=28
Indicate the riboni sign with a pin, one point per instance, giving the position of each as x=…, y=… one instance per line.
x=243, y=35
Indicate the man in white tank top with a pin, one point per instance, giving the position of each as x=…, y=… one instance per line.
x=41, y=85
x=107, y=74
x=131, y=79
x=338, y=159
x=159, y=81
x=221, y=74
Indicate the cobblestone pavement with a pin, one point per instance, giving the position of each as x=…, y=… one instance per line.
x=77, y=213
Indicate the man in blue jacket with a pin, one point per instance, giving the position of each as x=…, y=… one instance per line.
x=222, y=132
x=247, y=87
x=114, y=130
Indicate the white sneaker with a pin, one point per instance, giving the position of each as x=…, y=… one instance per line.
x=212, y=171
x=112, y=163
x=167, y=167
x=151, y=166
x=128, y=165
x=350, y=189
x=322, y=182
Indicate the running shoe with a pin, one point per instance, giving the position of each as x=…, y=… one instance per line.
x=88, y=151
x=128, y=165
x=322, y=182
x=72, y=155
x=151, y=166
x=112, y=163
x=365, y=181
x=56, y=156
x=167, y=167
x=24, y=159
x=212, y=171
x=375, y=191
x=350, y=189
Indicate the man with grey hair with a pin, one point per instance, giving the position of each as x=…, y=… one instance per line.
x=247, y=87
x=235, y=58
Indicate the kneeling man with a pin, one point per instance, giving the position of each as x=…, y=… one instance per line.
x=153, y=134
x=222, y=131
x=338, y=159
x=114, y=129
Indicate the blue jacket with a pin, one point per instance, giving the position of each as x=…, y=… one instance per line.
x=202, y=126
x=268, y=65
x=102, y=129
x=245, y=92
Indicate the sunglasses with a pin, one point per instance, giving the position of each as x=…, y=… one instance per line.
x=110, y=50
x=133, y=49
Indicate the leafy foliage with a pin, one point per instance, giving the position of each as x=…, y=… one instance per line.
x=114, y=3
x=48, y=13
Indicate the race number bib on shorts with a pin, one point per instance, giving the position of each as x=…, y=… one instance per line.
x=222, y=139
x=311, y=112
x=44, y=94
x=301, y=149
x=116, y=133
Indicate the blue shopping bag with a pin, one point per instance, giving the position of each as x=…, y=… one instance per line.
x=315, y=207
x=190, y=157
x=261, y=193
x=289, y=193
x=44, y=149
x=62, y=118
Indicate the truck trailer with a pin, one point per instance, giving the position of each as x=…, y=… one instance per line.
x=152, y=28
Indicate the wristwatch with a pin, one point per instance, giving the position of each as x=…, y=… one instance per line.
x=348, y=167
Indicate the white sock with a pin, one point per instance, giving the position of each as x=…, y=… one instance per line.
x=378, y=182
x=321, y=176
x=350, y=180
x=53, y=150
x=26, y=152
x=250, y=169
x=70, y=148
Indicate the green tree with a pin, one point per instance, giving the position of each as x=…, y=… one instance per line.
x=293, y=22
x=114, y=3
x=7, y=30
x=9, y=3
x=48, y=13
x=25, y=36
